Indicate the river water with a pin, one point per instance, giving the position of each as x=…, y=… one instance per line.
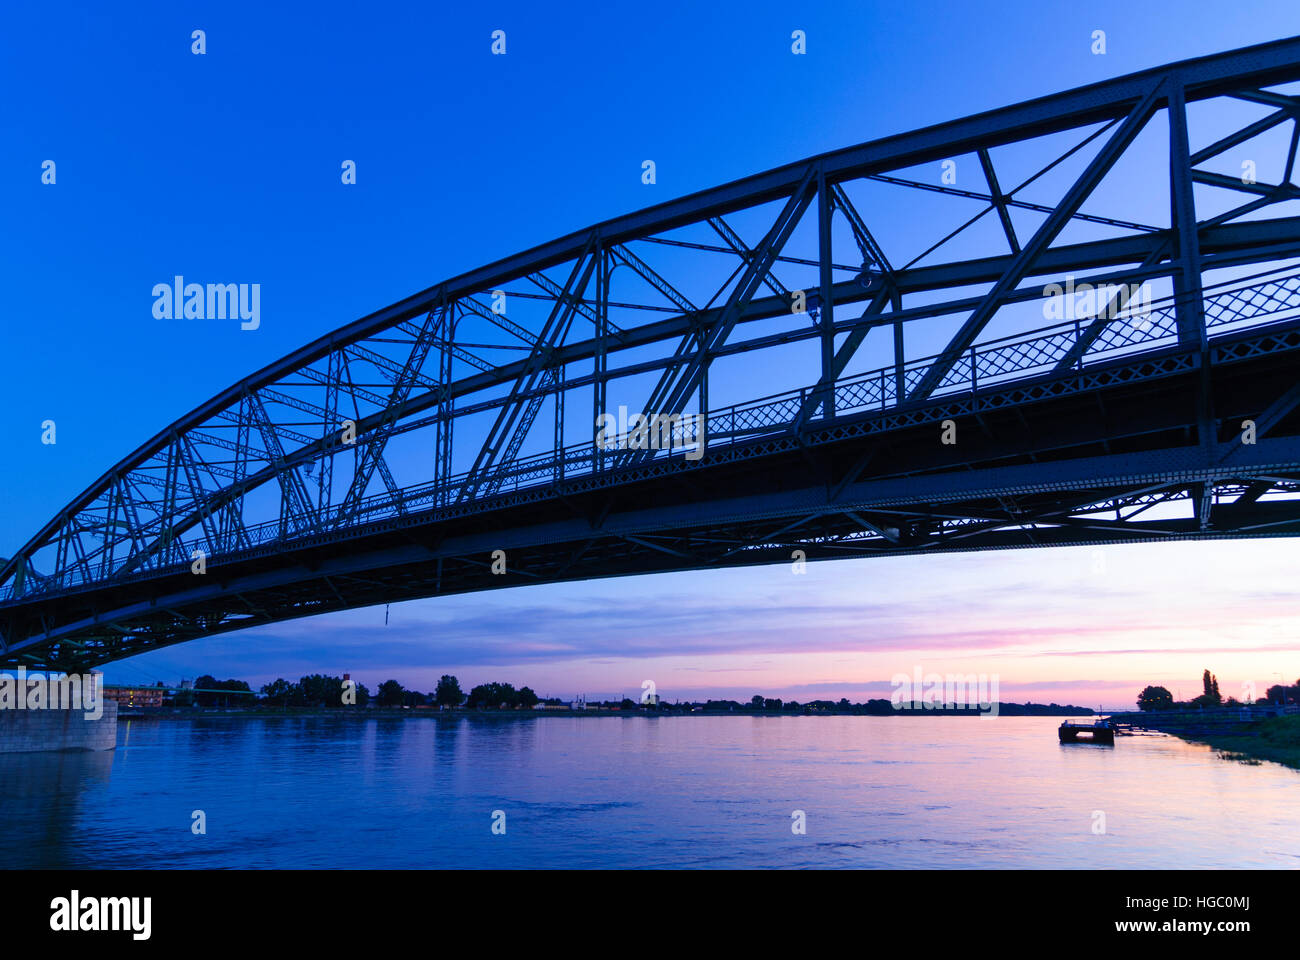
x=685, y=791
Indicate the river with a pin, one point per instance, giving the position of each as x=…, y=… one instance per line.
x=693, y=791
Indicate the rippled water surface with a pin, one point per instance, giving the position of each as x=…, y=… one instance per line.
x=641, y=792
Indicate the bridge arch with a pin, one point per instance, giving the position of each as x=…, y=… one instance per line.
x=473, y=423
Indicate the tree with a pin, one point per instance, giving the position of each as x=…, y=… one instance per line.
x=322, y=691
x=449, y=693
x=211, y=692
x=527, y=699
x=237, y=686
x=390, y=694
x=1211, y=685
x=1211, y=697
x=280, y=693
x=205, y=684
x=490, y=696
x=1155, y=698
x=756, y=701
x=1281, y=693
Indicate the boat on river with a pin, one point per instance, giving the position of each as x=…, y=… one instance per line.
x=1101, y=731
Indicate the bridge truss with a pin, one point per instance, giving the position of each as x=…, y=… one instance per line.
x=390, y=459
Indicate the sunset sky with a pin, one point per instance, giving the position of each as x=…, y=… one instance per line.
x=1070, y=625
x=226, y=167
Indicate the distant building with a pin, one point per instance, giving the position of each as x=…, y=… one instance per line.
x=136, y=696
x=580, y=703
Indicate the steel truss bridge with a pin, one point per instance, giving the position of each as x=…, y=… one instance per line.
x=828, y=317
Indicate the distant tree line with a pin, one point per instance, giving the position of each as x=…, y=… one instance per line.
x=501, y=695
x=883, y=708
x=1159, y=698
x=232, y=693
x=317, y=690
x=322, y=691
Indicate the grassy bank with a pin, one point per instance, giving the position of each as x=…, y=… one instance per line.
x=1276, y=739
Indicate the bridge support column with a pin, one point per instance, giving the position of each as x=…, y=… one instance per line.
x=38, y=731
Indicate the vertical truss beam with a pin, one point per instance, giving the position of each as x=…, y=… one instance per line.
x=826, y=312
x=1189, y=306
x=443, y=428
x=599, y=359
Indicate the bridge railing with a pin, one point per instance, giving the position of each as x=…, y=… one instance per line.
x=1009, y=359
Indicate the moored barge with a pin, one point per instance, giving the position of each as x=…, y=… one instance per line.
x=1099, y=731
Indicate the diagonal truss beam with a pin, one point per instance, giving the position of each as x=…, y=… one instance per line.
x=1023, y=260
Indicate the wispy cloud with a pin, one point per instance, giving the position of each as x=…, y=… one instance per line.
x=1050, y=606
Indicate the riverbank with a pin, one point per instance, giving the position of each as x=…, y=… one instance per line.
x=1276, y=739
x=1248, y=734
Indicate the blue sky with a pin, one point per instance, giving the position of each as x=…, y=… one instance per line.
x=227, y=165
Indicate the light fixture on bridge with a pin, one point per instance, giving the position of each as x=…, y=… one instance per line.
x=868, y=274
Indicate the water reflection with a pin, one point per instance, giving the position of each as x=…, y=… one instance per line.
x=418, y=792
x=41, y=798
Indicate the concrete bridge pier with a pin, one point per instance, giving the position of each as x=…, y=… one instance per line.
x=33, y=731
